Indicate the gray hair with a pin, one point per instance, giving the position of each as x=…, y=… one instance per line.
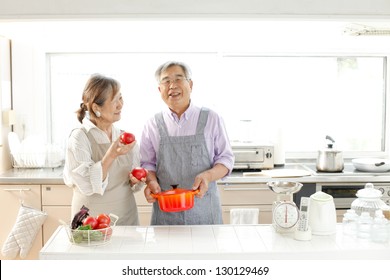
x=163, y=67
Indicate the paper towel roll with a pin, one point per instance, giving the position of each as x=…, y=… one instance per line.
x=279, y=153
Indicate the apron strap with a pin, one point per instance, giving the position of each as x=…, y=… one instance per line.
x=203, y=116
x=162, y=128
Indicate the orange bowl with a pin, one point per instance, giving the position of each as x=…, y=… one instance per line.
x=176, y=200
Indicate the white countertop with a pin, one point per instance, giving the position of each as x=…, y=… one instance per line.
x=214, y=242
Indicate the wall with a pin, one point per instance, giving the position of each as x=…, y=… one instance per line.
x=5, y=101
x=18, y=9
x=32, y=39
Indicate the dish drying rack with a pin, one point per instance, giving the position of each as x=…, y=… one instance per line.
x=33, y=153
x=36, y=160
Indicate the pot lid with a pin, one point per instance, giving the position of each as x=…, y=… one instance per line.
x=369, y=192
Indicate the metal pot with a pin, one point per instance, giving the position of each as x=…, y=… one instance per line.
x=330, y=159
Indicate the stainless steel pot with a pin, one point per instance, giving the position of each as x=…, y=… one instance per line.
x=330, y=159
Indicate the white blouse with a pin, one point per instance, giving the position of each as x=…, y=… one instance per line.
x=81, y=171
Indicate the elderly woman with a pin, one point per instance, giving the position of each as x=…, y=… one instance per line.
x=97, y=165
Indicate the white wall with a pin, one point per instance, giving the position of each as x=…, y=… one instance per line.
x=18, y=9
x=122, y=29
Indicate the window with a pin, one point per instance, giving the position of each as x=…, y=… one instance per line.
x=307, y=97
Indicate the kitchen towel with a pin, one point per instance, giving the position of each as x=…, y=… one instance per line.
x=244, y=216
x=20, y=239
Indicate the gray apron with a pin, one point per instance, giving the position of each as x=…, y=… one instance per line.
x=180, y=159
x=118, y=197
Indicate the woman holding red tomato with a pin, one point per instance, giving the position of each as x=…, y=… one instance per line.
x=185, y=145
x=97, y=164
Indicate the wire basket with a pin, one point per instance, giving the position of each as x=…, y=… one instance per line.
x=92, y=237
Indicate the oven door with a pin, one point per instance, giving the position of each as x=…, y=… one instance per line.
x=343, y=194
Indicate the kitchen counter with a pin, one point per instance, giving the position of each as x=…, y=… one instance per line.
x=230, y=242
x=32, y=176
x=54, y=175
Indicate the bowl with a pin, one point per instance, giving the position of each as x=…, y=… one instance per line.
x=285, y=187
x=371, y=164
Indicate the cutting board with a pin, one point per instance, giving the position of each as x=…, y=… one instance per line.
x=280, y=173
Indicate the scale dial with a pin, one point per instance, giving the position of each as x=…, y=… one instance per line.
x=285, y=215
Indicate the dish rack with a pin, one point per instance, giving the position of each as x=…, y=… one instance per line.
x=37, y=160
x=92, y=237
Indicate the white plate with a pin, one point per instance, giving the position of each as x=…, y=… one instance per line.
x=368, y=164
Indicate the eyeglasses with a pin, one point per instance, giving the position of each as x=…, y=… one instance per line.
x=177, y=80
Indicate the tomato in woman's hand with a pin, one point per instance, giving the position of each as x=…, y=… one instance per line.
x=90, y=220
x=103, y=219
x=127, y=138
x=139, y=173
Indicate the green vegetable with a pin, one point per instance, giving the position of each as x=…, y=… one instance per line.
x=86, y=227
x=85, y=234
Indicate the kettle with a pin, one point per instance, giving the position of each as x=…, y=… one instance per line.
x=322, y=214
x=330, y=159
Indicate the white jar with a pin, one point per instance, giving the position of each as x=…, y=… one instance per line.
x=350, y=221
x=364, y=225
x=379, y=232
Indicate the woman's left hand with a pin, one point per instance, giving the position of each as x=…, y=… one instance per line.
x=133, y=180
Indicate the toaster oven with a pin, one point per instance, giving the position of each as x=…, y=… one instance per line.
x=253, y=156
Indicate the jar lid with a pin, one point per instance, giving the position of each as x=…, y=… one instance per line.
x=369, y=192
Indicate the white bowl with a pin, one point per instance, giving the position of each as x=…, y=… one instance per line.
x=371, y=164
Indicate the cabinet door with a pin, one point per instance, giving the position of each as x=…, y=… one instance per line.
x=56, y=202
x=10, y=199
x=56, y=195
x=144, y=214
x=246, y=194
x=55, y=213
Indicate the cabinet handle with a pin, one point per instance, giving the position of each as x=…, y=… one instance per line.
x=17, y=190
x=244, y=189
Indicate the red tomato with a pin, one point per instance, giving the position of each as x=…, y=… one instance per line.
x=139, y=173
x=102, y=225
x=90, y=221
x=105, y=229
x=127, y=138
x=103, y=219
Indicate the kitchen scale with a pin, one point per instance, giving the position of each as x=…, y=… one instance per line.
x=285, y=213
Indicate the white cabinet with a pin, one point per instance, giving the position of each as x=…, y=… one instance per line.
x=144, y=208
x=10, y=199
x=56, y=202
x=247, y=195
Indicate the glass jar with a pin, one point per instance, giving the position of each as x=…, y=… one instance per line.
x=350, y=222
x=364, y=226
x=369, y=200
x=379, y=232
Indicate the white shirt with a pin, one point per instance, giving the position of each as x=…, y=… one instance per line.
x=80, y=170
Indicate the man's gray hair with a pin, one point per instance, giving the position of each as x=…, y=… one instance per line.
x=163, y=67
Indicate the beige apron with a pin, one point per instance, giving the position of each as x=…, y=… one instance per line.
x=118, y=197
